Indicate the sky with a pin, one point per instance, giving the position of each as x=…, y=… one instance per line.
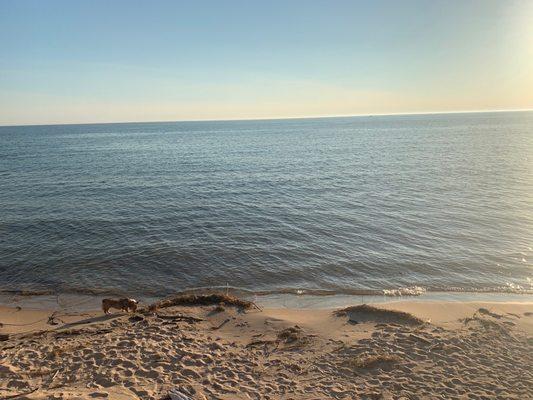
x=127, y=60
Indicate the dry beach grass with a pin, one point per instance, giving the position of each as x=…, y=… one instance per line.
x=368, y=313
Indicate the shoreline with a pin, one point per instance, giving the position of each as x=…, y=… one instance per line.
x=87, y=302
x=409, y=348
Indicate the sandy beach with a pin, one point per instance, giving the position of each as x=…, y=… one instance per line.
x=400, y=350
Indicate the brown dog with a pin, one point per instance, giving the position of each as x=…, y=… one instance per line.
x=120, y=304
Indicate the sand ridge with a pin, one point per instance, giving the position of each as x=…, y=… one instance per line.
x=212, y=352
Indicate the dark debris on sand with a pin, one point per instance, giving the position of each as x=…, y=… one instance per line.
x=367, y=313
x=202, y=300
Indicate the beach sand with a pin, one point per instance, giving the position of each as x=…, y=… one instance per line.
x=451, y=350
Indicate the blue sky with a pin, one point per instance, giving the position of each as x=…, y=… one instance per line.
x=99, y=61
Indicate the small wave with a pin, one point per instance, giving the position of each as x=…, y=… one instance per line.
x=73, y=291
x=406, y=291
x=28, y=292
x=509, y=288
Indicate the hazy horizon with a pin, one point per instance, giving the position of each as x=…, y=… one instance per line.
x=276, y=118
x=101, y=62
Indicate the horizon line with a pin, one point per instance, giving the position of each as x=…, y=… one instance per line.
x=276, y=118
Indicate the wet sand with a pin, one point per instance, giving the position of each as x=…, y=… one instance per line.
x=464, y=350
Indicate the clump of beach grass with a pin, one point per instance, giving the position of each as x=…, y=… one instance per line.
x=290, y=335
x=486, y=324
x=368, y=313
x=293, y=336
x=202, y=300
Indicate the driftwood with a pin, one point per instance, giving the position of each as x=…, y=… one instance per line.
x=260, y=342
x=14, y=396
x=179, y=317
x=54, y=376
x=214, y=328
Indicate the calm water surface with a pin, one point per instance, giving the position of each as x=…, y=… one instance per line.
x=344, y=205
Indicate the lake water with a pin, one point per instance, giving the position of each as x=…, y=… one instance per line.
x=333, y=205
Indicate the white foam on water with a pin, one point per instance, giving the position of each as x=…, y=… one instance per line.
x=405, y=291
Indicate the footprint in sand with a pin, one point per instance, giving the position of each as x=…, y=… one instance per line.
x=17, y=384
x=103, y=381
x=146, y=373
x=143, y=394
x=98, y=395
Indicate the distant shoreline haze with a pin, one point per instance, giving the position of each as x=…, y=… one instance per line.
x=278, y=118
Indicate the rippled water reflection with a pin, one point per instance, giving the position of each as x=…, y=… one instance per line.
x=346, y=205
